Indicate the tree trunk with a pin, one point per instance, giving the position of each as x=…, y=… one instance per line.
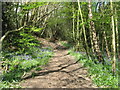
x=94, y=36
x=77, y=47
x=17, y=15
x=83, y=28
x=91, y=41
x=117, y=38
x=113, y=40
x=0, y=26
x=106, y=45
x=73, y=23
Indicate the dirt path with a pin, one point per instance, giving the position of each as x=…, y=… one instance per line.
x=63, y=71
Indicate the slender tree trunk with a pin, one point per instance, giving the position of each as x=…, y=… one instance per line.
x=91, y=40
x=0, y=27
x=32, y=14
x=27, y=18
x=113, y=40
x=20, y=18
x=118, y=34
x=23, y=20
x=78, y=20
x=102, y=43
x=17, y=15
x=117, y=38
x=83, y=28
x=35, y=17
x=77, y=32
x=94, y=36
x=106, y=44
x=73, y=23
x=104, y=35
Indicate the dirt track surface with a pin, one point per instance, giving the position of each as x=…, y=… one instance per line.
x=62, y=71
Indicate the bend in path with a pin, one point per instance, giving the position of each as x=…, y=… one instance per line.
x=63, y=71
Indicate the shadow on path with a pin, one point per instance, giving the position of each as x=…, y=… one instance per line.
x=62, y=71
x=45, y=72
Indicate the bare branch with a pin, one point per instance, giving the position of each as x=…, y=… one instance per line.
x=3, y=37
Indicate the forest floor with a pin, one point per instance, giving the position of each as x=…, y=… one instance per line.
x=62, y=71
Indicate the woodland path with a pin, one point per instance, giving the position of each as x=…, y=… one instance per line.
x=62, y=71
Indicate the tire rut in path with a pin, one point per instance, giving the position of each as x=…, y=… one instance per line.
x=62, y=71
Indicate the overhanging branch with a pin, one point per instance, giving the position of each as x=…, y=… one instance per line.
x=3, y=37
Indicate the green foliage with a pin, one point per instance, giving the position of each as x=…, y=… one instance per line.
x=35, y=29
x=21, y=40
x=19, y=63
x=28, y=64
x=38, y=68
x=8, y=85
x=32, y=5
x=66, y=44
x=26, y=40
x=20, y=48
x=101, y=74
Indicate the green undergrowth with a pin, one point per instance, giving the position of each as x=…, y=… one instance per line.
x=66, y=44
x=100, y=74
x=21, y=54
x=18, y=63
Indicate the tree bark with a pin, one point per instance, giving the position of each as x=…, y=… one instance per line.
x=83, y=28
x=117, y=35
x=73, y=23
x=106, y=45
x=113, y=40
x=0, y=27
x=94, y=36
